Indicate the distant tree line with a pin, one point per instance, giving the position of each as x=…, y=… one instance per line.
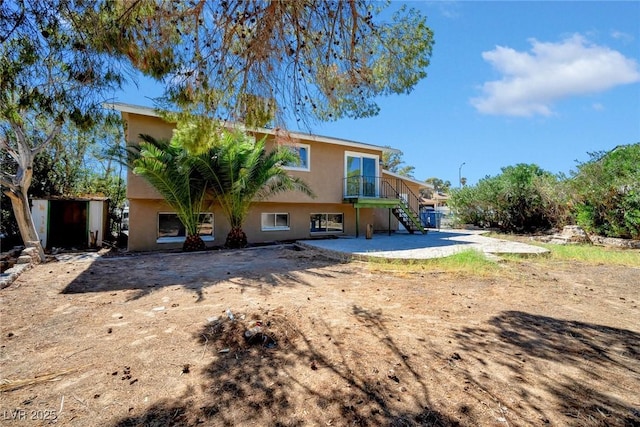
x=602, y=195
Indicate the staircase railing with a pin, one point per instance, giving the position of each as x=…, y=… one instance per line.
x=397, y=189
x=377, y=187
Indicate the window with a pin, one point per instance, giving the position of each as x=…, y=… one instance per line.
x=275, y=221
x=302, y=152
x=361, y=173
x=327, y=223
x=171, y=230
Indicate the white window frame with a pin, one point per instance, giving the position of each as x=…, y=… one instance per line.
x=181, y=239
x=326, y=215
x=361, y=155
x=274, y=227
x=295, y=148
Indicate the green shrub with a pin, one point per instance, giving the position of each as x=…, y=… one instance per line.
x=522, y=198
x=607, y=193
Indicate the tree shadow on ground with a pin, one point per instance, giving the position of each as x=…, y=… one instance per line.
x=588, y=372
x=318, y=378
x=197, y=271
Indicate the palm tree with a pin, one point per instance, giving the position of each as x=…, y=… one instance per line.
x=169, y=168
x=239, y=171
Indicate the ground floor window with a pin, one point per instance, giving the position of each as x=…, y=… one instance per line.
x=327, y=223
x=275, y=221
x=171, y=230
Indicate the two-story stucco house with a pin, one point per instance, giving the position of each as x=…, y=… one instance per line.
x=351, y=191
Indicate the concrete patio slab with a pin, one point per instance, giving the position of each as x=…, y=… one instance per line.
x=435, y=244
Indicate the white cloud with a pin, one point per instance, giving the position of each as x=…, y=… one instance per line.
x=597, y=106
x=532, y=81
x=624, y=37
x=447, y=8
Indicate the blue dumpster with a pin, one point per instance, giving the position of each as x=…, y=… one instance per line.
x=431, y=219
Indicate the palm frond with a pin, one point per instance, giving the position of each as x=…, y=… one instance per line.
x=169, y=169
x=240, y=171
x=234, y=168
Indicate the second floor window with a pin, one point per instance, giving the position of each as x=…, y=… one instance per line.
x=302, y=152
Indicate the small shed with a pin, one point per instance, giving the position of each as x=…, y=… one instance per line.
x=71, y=222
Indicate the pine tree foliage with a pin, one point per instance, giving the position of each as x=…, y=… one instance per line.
x=249, y=60
x=53, y=70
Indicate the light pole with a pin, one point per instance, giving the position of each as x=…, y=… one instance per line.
x=460, y=174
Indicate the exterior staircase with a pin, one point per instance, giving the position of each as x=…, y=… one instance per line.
x=408, y=218
x=407, y=207
x=392, y=194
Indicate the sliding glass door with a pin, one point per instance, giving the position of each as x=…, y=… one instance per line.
x=361, y=172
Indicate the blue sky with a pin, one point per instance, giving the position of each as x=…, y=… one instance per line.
x=509, y=82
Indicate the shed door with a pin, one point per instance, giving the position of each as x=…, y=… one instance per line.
x=68, y=224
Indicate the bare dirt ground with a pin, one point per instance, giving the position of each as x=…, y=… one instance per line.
x=145, y=340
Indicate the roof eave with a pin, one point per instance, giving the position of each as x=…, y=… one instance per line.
x=152, y=112
x=409, y=179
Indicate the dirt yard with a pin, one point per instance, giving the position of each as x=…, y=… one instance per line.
x=146, y=340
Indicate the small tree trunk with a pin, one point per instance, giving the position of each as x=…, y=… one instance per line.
x=20, y=204
x=193, y=243
x=18, y=185
x=236, y=238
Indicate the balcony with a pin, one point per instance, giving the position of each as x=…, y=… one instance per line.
x=378, y=192
x=365, y=189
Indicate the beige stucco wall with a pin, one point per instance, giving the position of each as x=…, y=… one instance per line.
x=138, y=124
x=325, y=177
x=143, y=222
x=381, y=220
x=299, y=218
x=326, y=172
x=413, y=186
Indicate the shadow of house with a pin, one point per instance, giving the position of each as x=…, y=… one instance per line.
x=558, y=354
